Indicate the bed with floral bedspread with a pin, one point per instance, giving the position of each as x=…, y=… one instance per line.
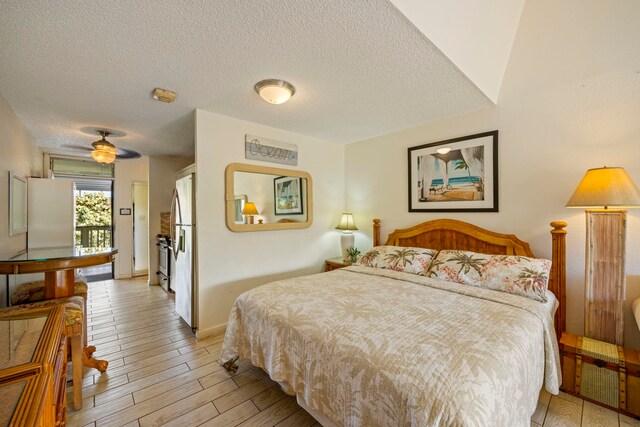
x=376, y=347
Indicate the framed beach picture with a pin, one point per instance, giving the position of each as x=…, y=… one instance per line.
x=456, y=175
x=287, y=191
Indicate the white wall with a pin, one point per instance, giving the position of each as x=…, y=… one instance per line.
x=231, y=263
x=127, y=172
x=162, y=181
x=569, y=101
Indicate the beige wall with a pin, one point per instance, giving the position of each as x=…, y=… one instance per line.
x=569, y=101
x=18, y=153
x=162, y=181
x=127, y=172
x=231, y=263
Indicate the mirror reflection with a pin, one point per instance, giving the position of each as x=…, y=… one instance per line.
x=238, y=206
x=276, y=198
x=262, y=198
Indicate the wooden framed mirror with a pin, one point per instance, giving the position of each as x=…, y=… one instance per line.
x=283, y=198
x=17, y=204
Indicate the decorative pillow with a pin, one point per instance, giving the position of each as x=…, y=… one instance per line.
x=398, y=258
x=514, y=274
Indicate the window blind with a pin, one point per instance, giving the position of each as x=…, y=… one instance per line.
x=65, y=167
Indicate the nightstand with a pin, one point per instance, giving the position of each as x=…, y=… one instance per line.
x=335, y=263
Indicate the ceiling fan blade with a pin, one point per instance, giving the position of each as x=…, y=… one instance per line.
x=124, y=153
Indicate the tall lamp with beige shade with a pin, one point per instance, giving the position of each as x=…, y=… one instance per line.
x=605, y=193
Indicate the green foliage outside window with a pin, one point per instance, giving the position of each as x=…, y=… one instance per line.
x=93, y=220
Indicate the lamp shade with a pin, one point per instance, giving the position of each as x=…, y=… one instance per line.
x=249, y=209
x=275, y=91
x=346, y=223
x=605, y=187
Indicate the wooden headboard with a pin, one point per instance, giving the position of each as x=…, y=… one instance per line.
x=459, y=235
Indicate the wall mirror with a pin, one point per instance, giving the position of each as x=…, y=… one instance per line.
x=283, y=198
x=17, y=204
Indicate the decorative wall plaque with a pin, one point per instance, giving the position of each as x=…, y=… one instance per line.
x=268, y=150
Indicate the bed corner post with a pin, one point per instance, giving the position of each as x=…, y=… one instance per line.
x=559, y=273
x=376, y=232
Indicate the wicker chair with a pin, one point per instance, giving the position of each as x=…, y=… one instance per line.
x=74, y=330
x=34, y=292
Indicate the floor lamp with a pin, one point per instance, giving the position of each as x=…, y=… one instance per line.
x=605, y=193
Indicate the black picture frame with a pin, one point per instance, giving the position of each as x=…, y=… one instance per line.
x=462, y=174
x=288, y=197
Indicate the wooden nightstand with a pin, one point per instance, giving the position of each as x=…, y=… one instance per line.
x=335, y=263
x=591, y=370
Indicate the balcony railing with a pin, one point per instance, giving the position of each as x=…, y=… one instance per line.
x=93, y=236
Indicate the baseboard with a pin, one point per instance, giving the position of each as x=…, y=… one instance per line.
x=204, y=333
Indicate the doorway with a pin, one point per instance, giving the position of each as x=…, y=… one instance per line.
x=140, y=202
x=94, y=222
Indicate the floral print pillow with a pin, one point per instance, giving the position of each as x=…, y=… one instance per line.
x=517, y=275
x=399, y=258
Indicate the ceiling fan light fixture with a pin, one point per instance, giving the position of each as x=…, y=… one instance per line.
x=104, y=152
x=104, y=157
x=275, y=91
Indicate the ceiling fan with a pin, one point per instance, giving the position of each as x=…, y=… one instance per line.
x=105, y=152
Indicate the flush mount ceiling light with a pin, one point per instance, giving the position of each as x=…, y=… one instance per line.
x=275, y=91
x=164, y=95
x=103, y=151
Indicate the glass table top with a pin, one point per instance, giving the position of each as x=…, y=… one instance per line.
x=10, y=396
x=19, y=339
x=45, y=254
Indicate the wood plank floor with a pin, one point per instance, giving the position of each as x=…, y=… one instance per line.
x=159, y=374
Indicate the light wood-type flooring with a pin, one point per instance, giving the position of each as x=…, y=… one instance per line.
x=159, y=374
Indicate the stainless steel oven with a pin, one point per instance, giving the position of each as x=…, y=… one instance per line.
x=164, y=261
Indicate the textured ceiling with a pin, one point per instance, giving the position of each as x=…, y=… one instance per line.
x=360, y=69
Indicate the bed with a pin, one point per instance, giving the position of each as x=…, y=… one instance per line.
x=364, y=346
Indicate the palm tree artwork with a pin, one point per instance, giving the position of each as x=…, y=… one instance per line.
x=462, y=165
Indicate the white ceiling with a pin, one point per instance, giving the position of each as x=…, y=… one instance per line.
x=476, y=36
x=361, y=69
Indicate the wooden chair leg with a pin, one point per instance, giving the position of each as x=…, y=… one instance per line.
x=76, y=365
x=84, y=324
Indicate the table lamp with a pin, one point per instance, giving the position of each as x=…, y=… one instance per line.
x=605, y=284
x=346, y=238
x=249, y=210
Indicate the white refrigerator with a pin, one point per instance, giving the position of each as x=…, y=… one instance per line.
x=183, y=240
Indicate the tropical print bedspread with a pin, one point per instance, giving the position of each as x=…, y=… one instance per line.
x=370, y=347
